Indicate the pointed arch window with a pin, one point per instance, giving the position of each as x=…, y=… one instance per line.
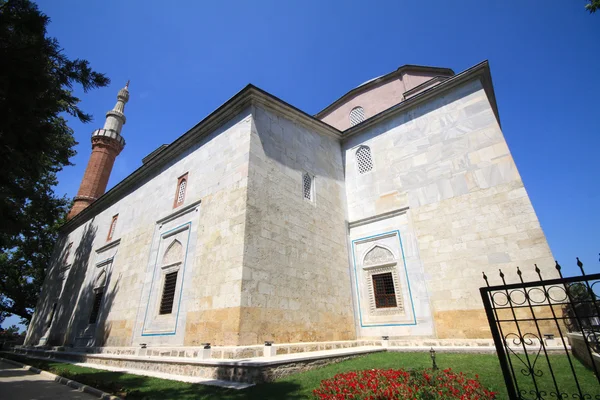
x=363, y=159
x=180, y=190
x=171, y=261
x=385, y=292
x=379, y=255
x=168, y=296
x=383, y=282
x=357, y=115
x=98, y=295
x=174, y=254
x=113, y=226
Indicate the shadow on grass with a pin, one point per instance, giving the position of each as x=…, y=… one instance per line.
x=131, y=386
x=141, y=387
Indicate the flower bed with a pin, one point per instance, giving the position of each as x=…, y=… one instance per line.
x=378, y=384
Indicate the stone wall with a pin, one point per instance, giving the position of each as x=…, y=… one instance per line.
x=582, y=352
x=261, y=259
x=248, y=371
x=446, y=162
x=209, y=280
x=296, y=285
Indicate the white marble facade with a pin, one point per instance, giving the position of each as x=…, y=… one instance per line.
x=257, y=259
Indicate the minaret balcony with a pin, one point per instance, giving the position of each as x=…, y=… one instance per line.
x=109, y=133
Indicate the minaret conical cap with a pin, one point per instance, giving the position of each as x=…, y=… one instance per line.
x=124, y=93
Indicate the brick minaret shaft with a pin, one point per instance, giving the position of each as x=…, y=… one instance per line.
x=107, y=143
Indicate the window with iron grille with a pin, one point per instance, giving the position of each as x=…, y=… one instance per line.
x=307, y=186
x=113, y=225
x=363, y=159
x=357, y=115
x=168, y=295
x=180, y=190
x=385, y=295
x=96, y=307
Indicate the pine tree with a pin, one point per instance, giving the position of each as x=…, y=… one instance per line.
x=36, y=90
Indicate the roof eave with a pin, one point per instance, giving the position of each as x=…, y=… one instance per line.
x=382, y=79
x=480, y=71
x=246, y=97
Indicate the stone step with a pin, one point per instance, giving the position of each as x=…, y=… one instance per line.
x=250, y=370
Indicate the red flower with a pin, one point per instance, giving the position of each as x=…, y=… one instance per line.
x=400, y=384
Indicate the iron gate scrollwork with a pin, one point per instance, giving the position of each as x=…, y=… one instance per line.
x=530, y=322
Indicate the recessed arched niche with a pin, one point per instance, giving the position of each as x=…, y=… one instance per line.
x=377, y=256
x=173, y=254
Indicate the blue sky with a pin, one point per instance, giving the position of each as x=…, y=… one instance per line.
x=185, y=58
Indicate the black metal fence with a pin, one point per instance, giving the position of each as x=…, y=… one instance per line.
x=530, y=322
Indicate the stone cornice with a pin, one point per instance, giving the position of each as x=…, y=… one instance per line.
x=378, y=217
x=108, y=246
x=178, y=212
x=422, y=86
x=267, y=100
x=378, y=81
x=480, y=71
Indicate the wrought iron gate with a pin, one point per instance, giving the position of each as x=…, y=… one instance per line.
x=530, y=322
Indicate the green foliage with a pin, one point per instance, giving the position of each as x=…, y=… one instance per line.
x=36, y=89
x=11, y=336
x=580, y=309
x=593, y=6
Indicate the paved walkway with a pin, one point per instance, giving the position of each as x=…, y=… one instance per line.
x=19, y=384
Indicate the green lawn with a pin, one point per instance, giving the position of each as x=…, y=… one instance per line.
x=300, y=386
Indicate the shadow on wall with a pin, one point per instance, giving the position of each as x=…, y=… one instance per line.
x=295, y=236
x=48, y=296
x=74, y=297
x=103, y=327
x=72, y=325
x=69, y=300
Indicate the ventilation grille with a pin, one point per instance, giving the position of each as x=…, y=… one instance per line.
x=357, y=115
x=96, y=306
x=307, y=186
x=166, y=303
x=385, y=295
x=363, y=158
x=181, y=192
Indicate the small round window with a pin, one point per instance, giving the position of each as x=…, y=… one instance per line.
x=357, y=115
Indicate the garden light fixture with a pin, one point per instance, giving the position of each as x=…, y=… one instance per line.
x=432, y=354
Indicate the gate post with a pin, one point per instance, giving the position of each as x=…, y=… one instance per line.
x=499, y=343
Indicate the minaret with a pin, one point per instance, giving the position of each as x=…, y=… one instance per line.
x=107, y=143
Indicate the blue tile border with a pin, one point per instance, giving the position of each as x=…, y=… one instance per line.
x=396, y=232
x=189, y=229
